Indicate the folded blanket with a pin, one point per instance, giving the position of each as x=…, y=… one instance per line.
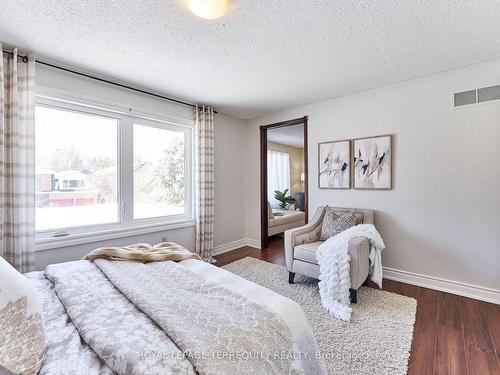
x=333, y=259
x=67, y=353
x=117, y=331
x=144, y=252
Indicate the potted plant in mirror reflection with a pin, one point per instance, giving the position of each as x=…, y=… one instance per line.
x=284, y=200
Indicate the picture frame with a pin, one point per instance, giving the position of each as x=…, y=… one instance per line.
x=334, y=164
x=372, y=163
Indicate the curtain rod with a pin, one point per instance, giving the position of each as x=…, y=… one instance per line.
x=25, y=60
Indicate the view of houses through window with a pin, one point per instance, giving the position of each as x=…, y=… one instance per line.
x=76, y=169
x=78, y=164
x=159, y=172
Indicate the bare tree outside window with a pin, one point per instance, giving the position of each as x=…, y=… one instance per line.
x=159, y=172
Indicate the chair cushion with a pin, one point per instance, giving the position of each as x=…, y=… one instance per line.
x=334, y=224
x=307, y=252
x=305, y=262
x=22, y=335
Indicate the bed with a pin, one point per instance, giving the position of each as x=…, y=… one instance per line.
x=282, y=220
x=188, y=317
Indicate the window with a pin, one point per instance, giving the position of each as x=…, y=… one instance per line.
x=76, y=168
x=159, y=172
x=278, y=174
x=101, y=170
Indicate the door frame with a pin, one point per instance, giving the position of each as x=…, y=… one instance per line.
x=263, y=174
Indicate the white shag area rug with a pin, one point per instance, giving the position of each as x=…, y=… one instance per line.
x=376, y=342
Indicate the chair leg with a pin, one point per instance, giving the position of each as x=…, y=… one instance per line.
x=291, y=276
x=353, y=295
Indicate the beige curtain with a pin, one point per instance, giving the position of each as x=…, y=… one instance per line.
x=17, y=160
x=204, y=182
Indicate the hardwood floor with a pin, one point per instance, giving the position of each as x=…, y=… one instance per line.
x=453, y=334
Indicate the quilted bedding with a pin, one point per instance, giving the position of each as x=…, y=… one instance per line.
x=97, y=322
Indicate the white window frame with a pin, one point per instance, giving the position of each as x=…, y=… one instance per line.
x=126, y=225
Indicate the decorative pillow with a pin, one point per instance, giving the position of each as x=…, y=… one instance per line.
x=328, y=219
x=270, y=214
x=334, y=224
x=22, y=335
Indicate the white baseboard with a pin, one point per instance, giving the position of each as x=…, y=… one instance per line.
x=253, y=243
x=221, y=249
x=425, y=281
x=444, y=285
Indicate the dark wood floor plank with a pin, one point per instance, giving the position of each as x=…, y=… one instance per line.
x=491, y=314
x=423, y=354
x=452, y=334
x=450, y=349
x=479, y=349
x=389, y=285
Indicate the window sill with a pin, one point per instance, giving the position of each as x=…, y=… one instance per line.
x=85, y=238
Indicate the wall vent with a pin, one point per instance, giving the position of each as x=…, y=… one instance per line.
x=465, y=98
x=488, y=93
x=485, y=94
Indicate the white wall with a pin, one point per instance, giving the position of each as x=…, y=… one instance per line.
x=442, y=218
x=229, y=173
x=229, y=180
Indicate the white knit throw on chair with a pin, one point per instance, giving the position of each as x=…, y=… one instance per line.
x=17, y=160
x=204, y=182
x=334, y=267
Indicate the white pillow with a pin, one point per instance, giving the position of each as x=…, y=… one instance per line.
x=22, y=335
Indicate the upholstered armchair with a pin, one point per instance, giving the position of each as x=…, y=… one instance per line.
x=301, y=244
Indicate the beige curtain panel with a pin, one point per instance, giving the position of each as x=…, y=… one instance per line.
x=204, y=182
x=17, y=160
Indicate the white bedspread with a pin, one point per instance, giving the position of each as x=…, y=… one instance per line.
x=290, y=311
x=69, y=354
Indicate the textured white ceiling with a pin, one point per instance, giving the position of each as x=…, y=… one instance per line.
x=289, y=135
x=263, y=55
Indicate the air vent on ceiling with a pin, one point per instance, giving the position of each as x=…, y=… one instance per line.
x=485, y=94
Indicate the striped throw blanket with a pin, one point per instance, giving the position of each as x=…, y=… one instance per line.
x=143, y=252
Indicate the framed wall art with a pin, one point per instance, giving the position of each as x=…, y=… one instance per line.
x=372, y=163
x=334, y=165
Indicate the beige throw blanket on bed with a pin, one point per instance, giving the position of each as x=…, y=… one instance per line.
x=143, y=252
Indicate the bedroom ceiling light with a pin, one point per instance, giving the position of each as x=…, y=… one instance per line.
x=208, y=9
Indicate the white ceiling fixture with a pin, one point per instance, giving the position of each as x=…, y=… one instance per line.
x=208, y=9
x=262, y=56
